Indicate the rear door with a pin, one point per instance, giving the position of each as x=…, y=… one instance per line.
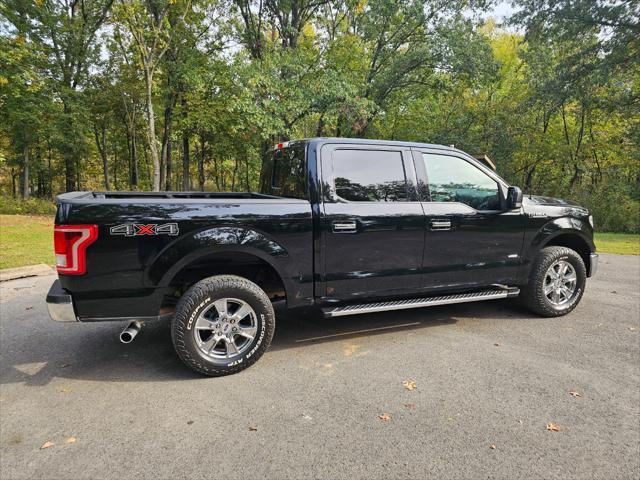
x=373, y=223
x=471, y=239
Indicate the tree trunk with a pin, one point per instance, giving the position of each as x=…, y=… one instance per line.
x=101, y=143
x=151, y=130
x=13, y=183
x=201, y=164
x=25, y=172
x=185, y=150
x=69, y=157
x=134, y=160
x=169, y=185
x=165, y=152
x=49, y=171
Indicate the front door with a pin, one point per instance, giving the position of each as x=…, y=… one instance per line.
x=373, y=223
x=471, y=239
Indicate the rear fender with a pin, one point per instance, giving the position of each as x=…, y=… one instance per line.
x=188, y=249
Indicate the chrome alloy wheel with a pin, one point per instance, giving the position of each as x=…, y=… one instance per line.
x=560, y=283
x=226, y=328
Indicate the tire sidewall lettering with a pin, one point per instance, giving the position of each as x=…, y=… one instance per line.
x=263, y=329
x=196, y=312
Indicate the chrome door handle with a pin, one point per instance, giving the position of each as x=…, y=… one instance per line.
x=348, y=226
x=440, y=224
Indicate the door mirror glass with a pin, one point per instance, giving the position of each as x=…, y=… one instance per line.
x=514, y=198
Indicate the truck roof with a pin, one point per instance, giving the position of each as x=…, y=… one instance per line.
x=368, y=141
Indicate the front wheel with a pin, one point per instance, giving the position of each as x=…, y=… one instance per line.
x=556, y=283
x=222, y=325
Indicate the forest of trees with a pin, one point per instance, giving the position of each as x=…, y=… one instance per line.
x=188, y=94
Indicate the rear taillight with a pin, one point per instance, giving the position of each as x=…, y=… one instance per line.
x=70, y=244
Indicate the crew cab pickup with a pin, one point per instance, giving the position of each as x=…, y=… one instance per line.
x=344, y=226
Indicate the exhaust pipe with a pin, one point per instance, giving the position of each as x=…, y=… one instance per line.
x=129, y=333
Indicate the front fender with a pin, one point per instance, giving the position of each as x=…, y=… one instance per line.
x=184, y=251
x=562, y=226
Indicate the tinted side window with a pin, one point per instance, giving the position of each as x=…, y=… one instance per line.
x=369, y=175
x=452, y=179
x=289, y=173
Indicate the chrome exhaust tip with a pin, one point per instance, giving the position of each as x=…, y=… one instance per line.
x=128, y=334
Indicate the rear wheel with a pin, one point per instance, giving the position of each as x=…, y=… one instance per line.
x=222, y=325
x=556, y=283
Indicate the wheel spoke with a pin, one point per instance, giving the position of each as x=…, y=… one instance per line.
x=210, y=344
x=555, y=296
x=204, y=324
x=221, y=306
x=242, y=312
x=232, y=349
x=567, y=292
x=248, y=332
x=548, y=288
x=571, y=277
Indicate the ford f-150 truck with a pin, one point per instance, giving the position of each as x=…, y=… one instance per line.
x=345, y=226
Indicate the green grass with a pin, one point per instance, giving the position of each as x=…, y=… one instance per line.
x=622, y=243
x=28, y=240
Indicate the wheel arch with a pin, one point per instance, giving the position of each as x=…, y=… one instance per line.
x=573, y=240
x=569, y=232
x=216, y=251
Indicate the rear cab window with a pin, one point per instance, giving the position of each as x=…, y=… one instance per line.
x=361, y=175
x=285, y=172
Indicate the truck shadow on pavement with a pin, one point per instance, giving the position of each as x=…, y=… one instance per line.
x=93, y=352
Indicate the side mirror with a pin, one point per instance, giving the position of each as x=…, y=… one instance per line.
x=514, y=198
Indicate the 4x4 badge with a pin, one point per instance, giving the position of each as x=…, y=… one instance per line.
x=139, y=229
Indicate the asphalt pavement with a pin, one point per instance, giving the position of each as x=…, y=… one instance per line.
x=490, y=377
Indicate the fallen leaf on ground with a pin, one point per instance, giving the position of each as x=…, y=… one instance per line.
x=65, y=365
x=307, y=417
x=410, y=406
x=71, y=440
x=66, y=390
x=29, y=308
x=553, y=427
x=350, y=349
x=47, y=445
x=385, y=417
x=573, y=393
x=409, y=384
x=253, y=429
x=190, y=422
x=492, y=446
x=633, y=329
x=496, y=344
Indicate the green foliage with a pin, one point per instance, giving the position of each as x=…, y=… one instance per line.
x=32, y=206
x=188, y=94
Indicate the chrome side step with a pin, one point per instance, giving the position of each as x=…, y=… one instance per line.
x=421, y=302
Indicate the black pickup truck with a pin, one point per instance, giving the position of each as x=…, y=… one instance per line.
x=342, y=225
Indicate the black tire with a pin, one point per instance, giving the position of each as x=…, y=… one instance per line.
x=196, y=300
x=532, y=295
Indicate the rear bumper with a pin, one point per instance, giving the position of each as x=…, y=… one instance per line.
x=60, y=304
x=593, y=264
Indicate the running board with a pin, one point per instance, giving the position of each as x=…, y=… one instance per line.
x=420, y=302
